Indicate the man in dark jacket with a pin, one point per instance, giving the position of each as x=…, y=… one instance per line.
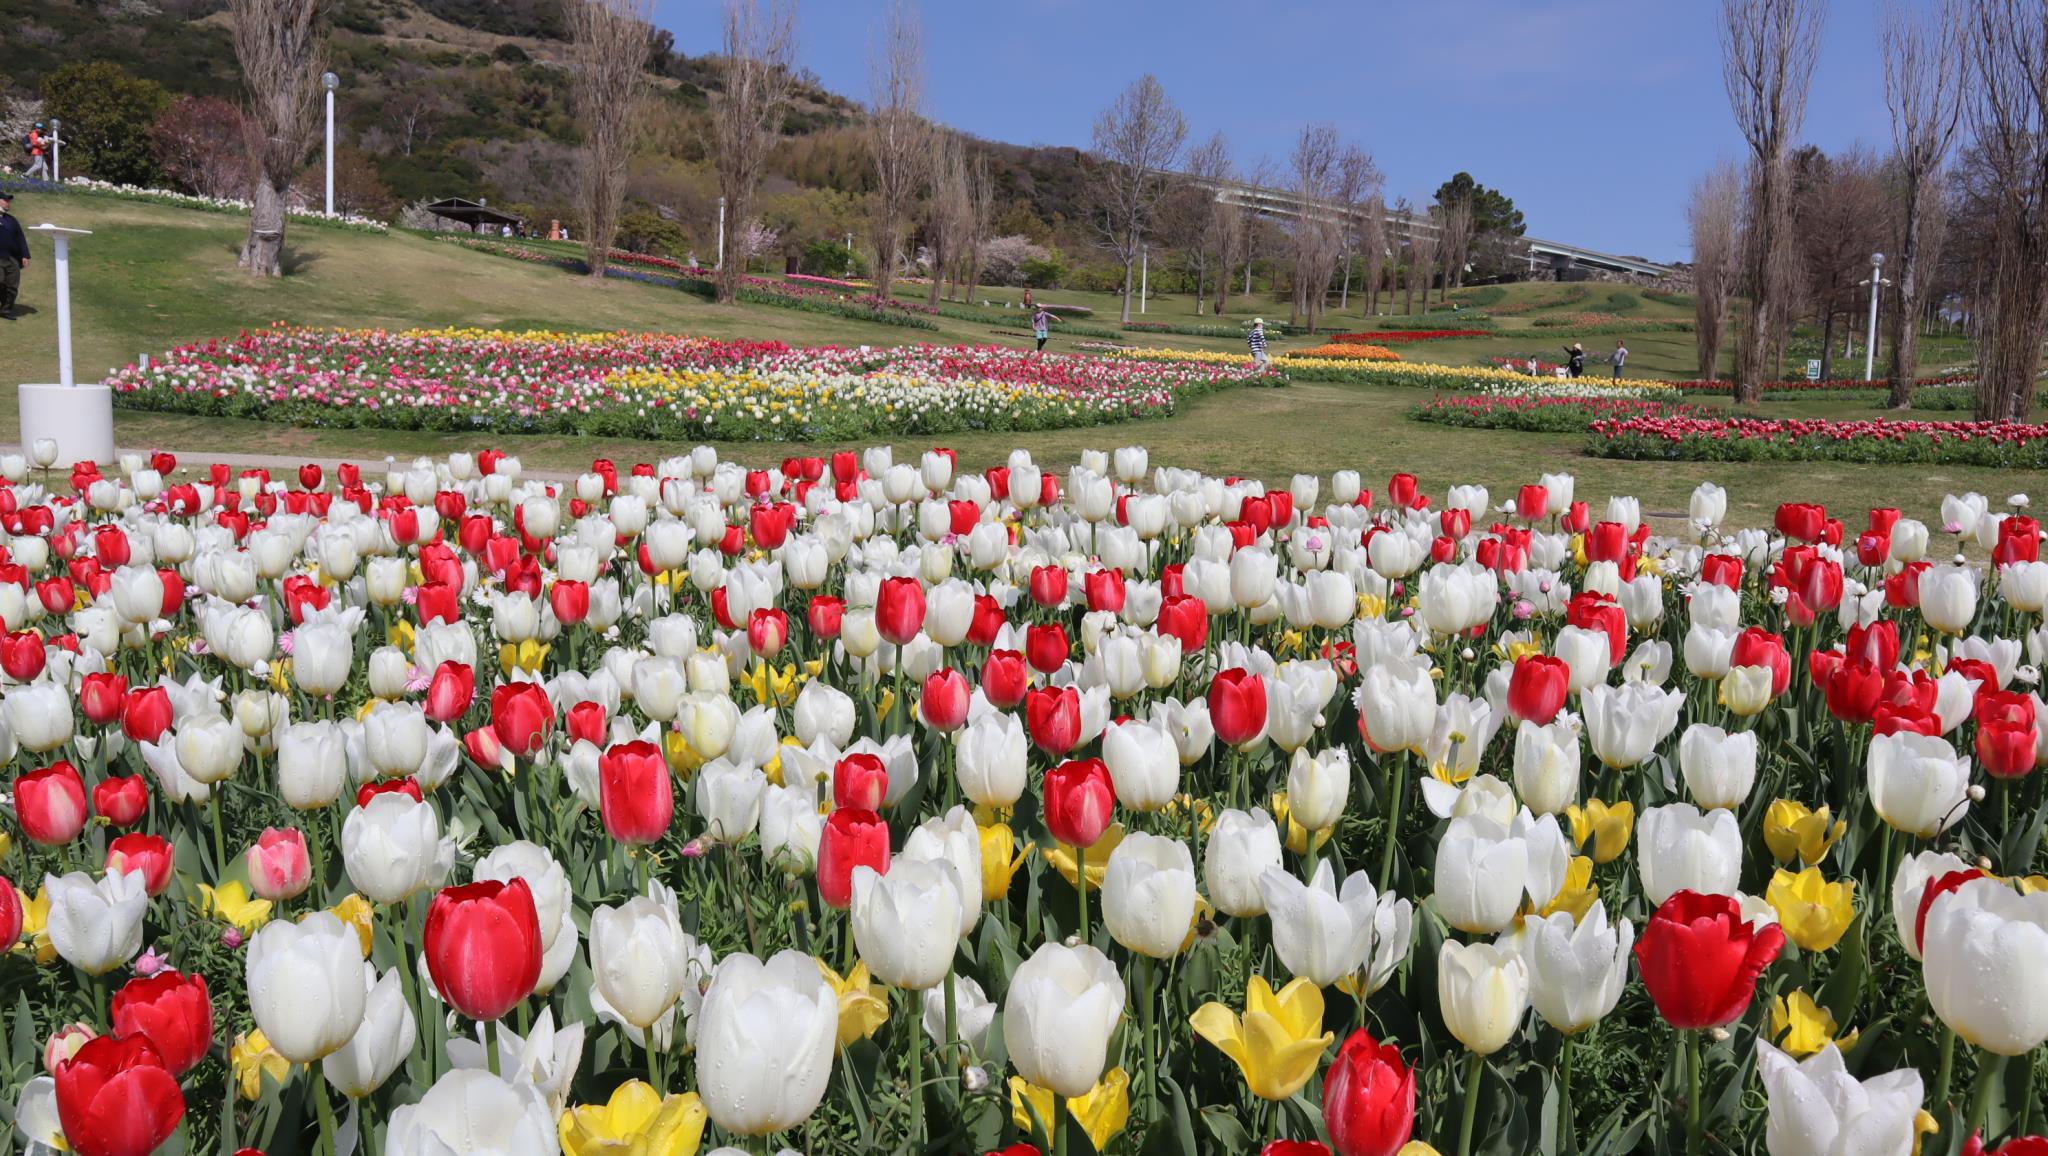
x=13, y=255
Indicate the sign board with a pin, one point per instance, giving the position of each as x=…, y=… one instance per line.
x=1813, y=369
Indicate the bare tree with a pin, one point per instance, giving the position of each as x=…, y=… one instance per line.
x=1923, y=89
x=1372, y=238
x=948, y=209
x=1841, y=213
x=1315, y=177
x=2008, y=54
x=981, y=217
x=1195, y=218
x=1139, y=138
x=1712, y=219
x=897, y=136
x=280, y=45
x=1454, y=220
x=1769, y=48
x=1358, y=181
x=759, y=65
x=608, y=50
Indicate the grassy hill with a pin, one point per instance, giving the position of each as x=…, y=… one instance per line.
x=152, y=277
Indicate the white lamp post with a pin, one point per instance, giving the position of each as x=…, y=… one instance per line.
x=1144, y=275
x=721, y=234
x=56, y=151
x=1870, y=342
x=79, y=418
x=330, y=82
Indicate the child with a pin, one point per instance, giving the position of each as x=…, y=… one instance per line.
x=1041, y=325
x=1257, y=340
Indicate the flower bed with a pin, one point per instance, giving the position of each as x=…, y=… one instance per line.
x=865, y=805
x=2004, y=444
x=839, y=283
x=1395, y=336
x=650, y=386
x=1406, y=374
x=1347, y=351
x=1840, y=385
x=92, y=188
x=1541, y=410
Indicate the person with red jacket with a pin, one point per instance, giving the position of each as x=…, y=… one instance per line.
x=38, y=145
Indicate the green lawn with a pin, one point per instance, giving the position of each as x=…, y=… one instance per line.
x=153, y=277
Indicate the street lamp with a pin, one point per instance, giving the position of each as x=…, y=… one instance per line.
x=330, y=82
x=56, y=151
x=1870, y=342
x=1144, y=275
x=721, y=234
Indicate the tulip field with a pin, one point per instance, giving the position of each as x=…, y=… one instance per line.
x=864, y=805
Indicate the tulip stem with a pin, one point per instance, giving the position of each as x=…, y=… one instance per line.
x=916, y=1080
x=490, y=1040
x=324, y=1109
x=1475, y=1070
x=1566, y=1127
x=1693, y=1142
x=1058, y=1125
x=953, y=1049
x=1081, y=886
x=1945, y=1074
x=1989, y=1067
x=1400, y=775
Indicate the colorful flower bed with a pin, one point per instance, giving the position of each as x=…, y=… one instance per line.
x=89, y=187
x=1395, y=336
x=1347, y=351
x=1543, y=410
x=1406, y=374
x=840, y=283
x=860, y=805
x=2005, y=444
x=1801, y=385
x=651, y=386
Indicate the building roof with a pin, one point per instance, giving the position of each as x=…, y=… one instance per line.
x=472, y=213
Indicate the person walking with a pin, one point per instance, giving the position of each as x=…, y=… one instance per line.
x=1041, y=327
x=37, y=145
x=1618, y=358
x=1575, y=359
x=1257, y=340
x=13, y=255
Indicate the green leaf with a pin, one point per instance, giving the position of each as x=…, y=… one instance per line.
x=1227, y=1131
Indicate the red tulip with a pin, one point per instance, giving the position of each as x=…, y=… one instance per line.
x=1802, y=520
x=1595, y=611
x=767, y=630
x=172, y=1011
x=825, y=615
x=482, y=944
x=899, y=610
x=1401, y=492
x=1079, y=797
x=100, y=695
x=50, y=804
x=1852, y=691
x=1004, y=678
x=146, y=714
x=10, y=914
x=771, y=523
x=407, y=786
x=149, y=854
x=1105, y=590
x=945, y=699
x=2019, y=540
x=449, y=694
x=1368, y=1098
x=115, y=1097
x=1237, y=706
x=852, y=838
x=486, y=751
x=859, y=782
x=1722, y=570
x=570, y=601
x=1532, y=502
x=121, y=800
x=439, y=602
x=1185, y=617
x=1053, y=716
x=586, y=722
x=1537, y=688
x=1294, y=1148
x=22, y=656
x=277, y=863
x=522, y=716
x=1700, y=958
x=2005, y=749
x=636, y=799
x=1049, y=585
x=1759, y=647
x=2019, y=1146
x=1046, y=647
x=987, y=624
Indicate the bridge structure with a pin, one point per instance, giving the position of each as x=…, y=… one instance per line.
x=1556, y=256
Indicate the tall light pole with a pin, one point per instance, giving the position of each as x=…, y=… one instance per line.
x=721, y=234
x=330, y=82
x=56, y=151
x=1870, y=342
x=1144, y=275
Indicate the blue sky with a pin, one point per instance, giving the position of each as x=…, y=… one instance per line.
x=1594, y=115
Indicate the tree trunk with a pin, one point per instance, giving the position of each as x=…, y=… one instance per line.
x=263, y=249
x=1201, y=280
x=1344, y=299
x=2014, y=325
x=1904, y=323
x=938, y=273
x=1248, y=277
x=1827, y=347
x=885, y=257
x=1223, y=283
x=1126, y=320
x=735, y=263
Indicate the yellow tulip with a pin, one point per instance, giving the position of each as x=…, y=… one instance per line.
x=636, y=1121
x=1000, y=861
x=527, y=656
x=1579, y=890
x=1205, y=815
x=35, y=924
x=1924, y=1125
x=682, y=760
x=1297, y=835
x=401, y=635
x=1791, y=829
x=1102, y=1113
x=1608, y=827
x=1814, y=912
x=231, y=903
x=2029, y=884
x=252, y=1058
x=1277, y=1044
x=862, y=1011
x=357, y=912
x=1417, y=1148
x=1062, y=857
x=1803, y=1027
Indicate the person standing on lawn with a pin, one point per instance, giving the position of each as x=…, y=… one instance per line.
x=37, y=144
x=1575, y=359
x=13, y=255
x=1041, y=326
x=1618, y=358
x=1257, y=340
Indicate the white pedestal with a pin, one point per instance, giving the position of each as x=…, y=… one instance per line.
x=80, y=418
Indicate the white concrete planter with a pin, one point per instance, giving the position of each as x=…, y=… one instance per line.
x=79, y=418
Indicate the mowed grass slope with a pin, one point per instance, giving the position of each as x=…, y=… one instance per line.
x=154, y=277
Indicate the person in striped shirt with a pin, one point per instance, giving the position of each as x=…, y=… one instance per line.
x=1257, y=340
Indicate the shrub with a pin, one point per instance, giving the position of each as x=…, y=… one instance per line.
x=646, y=231
x=1047, y=272
x=199, y=143
x=107, y=116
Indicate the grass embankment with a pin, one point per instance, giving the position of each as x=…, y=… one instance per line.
x=153, y=277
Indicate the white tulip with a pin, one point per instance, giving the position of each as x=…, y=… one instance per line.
x=1062, y=1006
x=1239, y=849
x=1483, y=991
x=1149, y=895
x=1918, y=783
x=1817, y=1108
x=766, y=1035
x=383, y=1041
x=1682, y=848
x=1576, y=970
x=1719, y=767
x=306, y=988
x=96, y=924
x=470, y=1112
